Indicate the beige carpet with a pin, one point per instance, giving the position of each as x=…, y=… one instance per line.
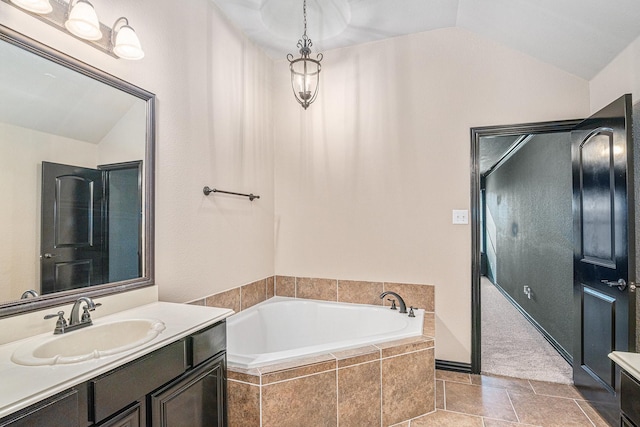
x=511, y=346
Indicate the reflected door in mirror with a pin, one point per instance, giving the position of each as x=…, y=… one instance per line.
x=72, y=237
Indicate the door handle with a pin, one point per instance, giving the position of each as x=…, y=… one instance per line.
x=621, y=284
x=49, y=256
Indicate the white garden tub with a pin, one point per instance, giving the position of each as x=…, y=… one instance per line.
x=287, y=328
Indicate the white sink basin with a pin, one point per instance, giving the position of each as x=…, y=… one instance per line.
x=88, y=343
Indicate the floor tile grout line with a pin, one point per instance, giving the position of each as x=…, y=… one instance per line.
x=512, y=406
x=585, y=414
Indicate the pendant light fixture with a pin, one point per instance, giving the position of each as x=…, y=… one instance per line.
x=305, y=71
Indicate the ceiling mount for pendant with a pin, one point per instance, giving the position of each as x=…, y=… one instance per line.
x=305, y=71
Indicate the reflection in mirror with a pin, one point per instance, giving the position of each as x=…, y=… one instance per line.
x=76, y=151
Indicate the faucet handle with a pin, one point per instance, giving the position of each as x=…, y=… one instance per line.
x=411, y=313
x=393, y=303
x=86, y=317
x=61, y=323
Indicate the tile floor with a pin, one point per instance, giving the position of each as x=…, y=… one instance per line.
x=464, y=400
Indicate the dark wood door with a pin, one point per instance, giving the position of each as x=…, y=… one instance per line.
x=604, y=252
x=72, y=238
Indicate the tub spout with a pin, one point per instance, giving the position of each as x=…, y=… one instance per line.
x=403, y=306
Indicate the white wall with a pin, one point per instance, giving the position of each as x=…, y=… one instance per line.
x=366, y=179
x=214, y=127
x=621, y=76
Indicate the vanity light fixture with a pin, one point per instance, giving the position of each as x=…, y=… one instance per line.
x=79, y=18
x=34, y=6
x=125, y=41
x=305, y=71
x=82, y=20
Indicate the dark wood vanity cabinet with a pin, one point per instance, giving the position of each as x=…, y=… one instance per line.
x=58, y=410
x=180, y=385
x=629, y=400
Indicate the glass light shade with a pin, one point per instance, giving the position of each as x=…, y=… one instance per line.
x=305, y=79
x=83, y=21
x=41, y=7
x=127, y=45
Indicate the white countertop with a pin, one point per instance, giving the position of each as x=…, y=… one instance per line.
x=21, y=386
x=630, y=362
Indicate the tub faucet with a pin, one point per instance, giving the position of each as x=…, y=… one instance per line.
x=403, y=306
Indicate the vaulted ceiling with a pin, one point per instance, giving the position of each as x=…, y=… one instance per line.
x=578, y=36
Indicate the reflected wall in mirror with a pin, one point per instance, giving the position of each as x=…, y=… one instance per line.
x=76, y=172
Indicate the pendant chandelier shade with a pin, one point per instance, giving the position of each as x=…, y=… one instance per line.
x=305, y=71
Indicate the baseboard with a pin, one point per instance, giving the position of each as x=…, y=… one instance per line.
x=447, y=365
x=555, y=344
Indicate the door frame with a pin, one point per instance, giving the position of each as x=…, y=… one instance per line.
x=476, y=134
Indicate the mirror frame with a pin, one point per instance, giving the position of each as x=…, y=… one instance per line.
x=21, y=306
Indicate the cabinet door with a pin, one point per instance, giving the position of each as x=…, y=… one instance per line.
x=58, y=411
x=196, y=399
x=132, y=417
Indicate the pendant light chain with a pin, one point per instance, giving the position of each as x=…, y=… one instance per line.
x=304, y=14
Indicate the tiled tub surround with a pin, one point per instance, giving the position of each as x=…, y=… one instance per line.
x=351, y=291
x=378, y=385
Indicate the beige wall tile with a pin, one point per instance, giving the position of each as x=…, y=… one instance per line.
x=420, y=296
x=271, y=289
x=228, y=299
x=429, y=327
x=286, y=404
x=359, y=395
x=245, y=375
x=440, y=394
x=357, y=355
x=359, y=292
x=285, y=286
x=412, y=377
x=253, y=293
x=243, y=407
x=297, y=368
x=313, y=288
x=405, y=345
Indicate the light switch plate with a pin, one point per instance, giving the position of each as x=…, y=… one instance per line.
x=460, y=216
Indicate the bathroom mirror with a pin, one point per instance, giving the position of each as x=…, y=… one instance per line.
x=76, y=175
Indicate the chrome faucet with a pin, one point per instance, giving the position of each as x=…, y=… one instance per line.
x=29, y=293
x=403, y=306
x=75, y=320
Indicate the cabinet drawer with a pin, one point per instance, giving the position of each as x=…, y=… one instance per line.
x=57, y=411
x=131, y=417
x=208, y=343
x=629, y=392
x=125, y=385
